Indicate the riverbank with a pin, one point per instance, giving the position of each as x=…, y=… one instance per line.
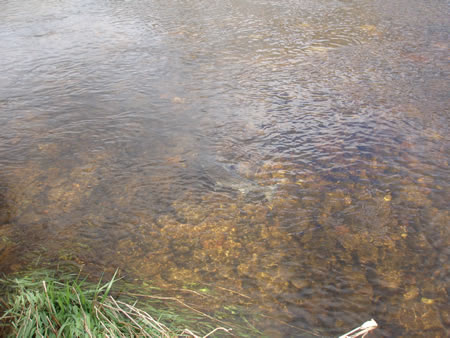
x=57, y=303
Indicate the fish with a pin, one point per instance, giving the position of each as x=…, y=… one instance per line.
x=226, y=177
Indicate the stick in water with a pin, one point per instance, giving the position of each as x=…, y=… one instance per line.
x=362, y=330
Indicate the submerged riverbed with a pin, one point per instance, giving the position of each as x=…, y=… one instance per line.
x=287, y=159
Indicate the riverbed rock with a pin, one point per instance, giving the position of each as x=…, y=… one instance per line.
x=419, y=317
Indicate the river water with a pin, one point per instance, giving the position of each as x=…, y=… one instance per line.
x=290, y=157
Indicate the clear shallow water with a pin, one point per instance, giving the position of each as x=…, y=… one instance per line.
x=295, y=152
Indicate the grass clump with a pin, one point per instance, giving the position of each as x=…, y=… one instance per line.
x=41, y=305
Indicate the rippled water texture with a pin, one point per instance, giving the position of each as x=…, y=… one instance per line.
x=295, y=152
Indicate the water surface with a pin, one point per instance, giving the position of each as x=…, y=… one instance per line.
x=294, y=152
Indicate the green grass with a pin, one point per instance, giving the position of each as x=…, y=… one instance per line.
x=43, y=305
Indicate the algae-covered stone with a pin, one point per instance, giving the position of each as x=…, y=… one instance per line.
x=427, y=301
x=415, y=195
x=418, y=317
x=411, y=292
x=391, y=279
x=300, y=283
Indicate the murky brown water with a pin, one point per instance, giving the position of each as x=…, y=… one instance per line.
x=295, y=152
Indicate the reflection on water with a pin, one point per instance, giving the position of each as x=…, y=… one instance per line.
x=295, y=152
